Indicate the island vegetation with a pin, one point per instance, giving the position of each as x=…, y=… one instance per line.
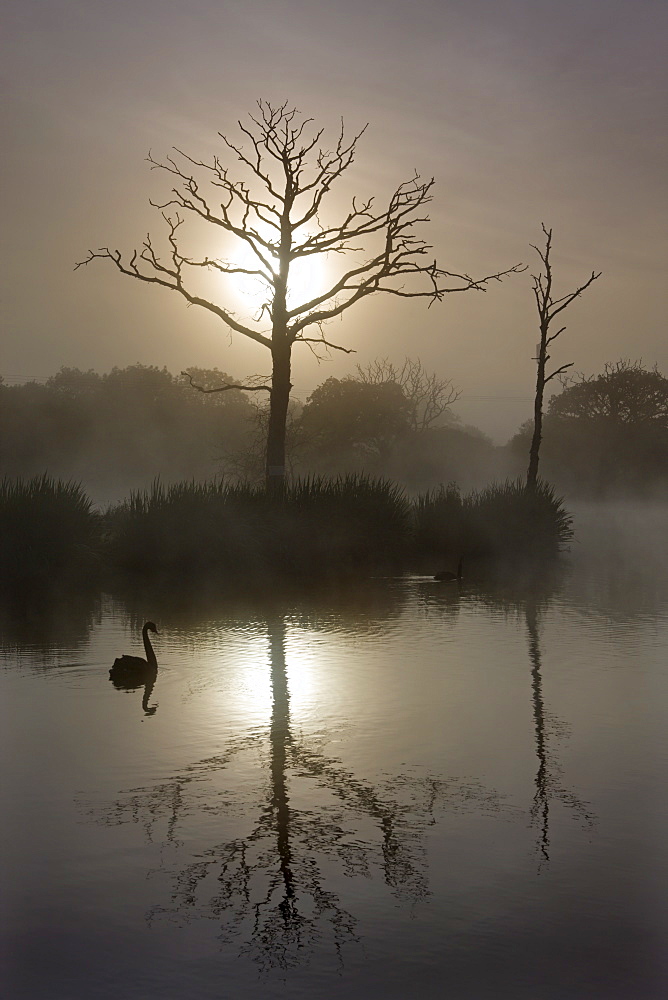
x=319, y=528
x=136, y=472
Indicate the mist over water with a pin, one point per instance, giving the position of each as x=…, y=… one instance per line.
x=388, y=788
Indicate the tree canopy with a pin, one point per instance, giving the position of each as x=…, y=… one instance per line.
x=344, y=414
x=428, y=396
x=625, y=393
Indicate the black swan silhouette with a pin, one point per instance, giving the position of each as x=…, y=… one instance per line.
x=135, y=668
x=448, y=577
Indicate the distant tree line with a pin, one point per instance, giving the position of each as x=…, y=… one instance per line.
x=120, y=431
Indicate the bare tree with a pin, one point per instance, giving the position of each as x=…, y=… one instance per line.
x=548, y=308
x=280, y=227
x=427, y=395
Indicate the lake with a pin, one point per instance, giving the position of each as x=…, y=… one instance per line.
x=394, y=788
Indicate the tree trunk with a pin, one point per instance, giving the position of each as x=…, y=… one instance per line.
x=278, y=413
x=548, y=308
x=532, y=472
x=281, y=350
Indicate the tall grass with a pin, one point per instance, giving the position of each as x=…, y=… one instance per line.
x=513, y=521
x=319, y=526
x=438, y=524
x=503, y=521
x=47, y=527
x=352, y=520
x=183, y=526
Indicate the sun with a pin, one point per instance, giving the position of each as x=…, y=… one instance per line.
x=307, y=278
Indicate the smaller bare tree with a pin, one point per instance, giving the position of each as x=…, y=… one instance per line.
x=548, y=308
x=427, y=395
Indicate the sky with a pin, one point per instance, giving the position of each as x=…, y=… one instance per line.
x=524, y=112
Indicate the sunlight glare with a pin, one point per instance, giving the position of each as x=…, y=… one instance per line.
x=303, y=659
x=308, y=277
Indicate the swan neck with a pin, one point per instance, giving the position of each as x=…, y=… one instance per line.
x=150, y=655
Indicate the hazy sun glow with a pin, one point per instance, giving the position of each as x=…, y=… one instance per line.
x=308, y=277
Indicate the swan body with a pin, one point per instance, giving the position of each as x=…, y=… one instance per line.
x=446, y=576
x=130, y=667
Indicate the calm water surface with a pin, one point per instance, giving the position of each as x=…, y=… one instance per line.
x=400, y=789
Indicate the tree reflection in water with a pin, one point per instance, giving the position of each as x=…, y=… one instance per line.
x=540, y=811
x=528, y=597
x=269, y=888
x=548, y=773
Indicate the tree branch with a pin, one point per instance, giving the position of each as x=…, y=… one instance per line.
x=226, y=385
x=559, y=371
x=170, y=278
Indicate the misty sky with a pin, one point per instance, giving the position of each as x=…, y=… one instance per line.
x=523, y=110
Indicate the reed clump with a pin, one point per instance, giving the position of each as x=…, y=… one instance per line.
x=437, y=524
x=47, y=528
x=515, y=522
x=350, y=521
x=318, y=526
x=183, y=526
x=505, y=521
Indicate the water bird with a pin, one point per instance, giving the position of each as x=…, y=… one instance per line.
x=127, y=668
x=445, y=575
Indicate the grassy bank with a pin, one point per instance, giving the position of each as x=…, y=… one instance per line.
x=321, y=527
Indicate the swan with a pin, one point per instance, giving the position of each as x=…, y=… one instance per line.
x=448, y=577
x=130, y=667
